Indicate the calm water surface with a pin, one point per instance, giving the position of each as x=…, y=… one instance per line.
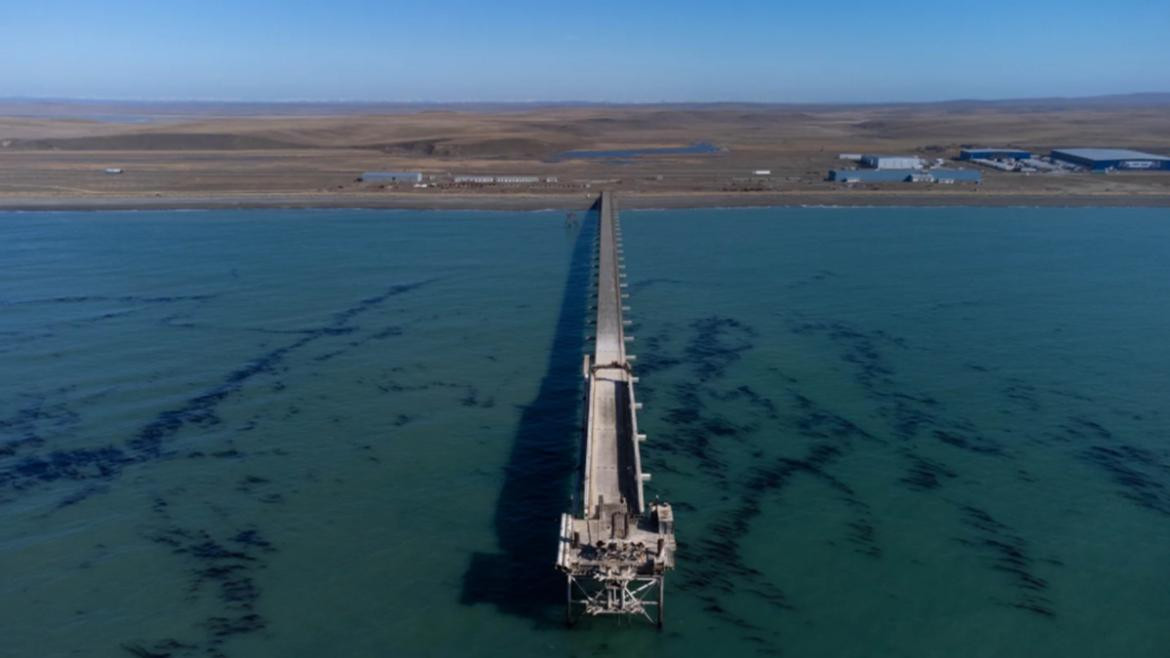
x=698, y=148
x=886, y=432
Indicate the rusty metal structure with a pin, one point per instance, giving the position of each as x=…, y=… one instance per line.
x=614, y=549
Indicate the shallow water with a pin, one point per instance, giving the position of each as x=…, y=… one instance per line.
x=885, y=431
x=698, y=148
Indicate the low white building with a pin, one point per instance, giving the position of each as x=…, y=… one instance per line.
x=498, y=180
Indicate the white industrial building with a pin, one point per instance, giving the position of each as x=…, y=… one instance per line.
x=499, y=180
x=891, y=161
x=474, y=179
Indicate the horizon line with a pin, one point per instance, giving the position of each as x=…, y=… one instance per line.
x=424, y=102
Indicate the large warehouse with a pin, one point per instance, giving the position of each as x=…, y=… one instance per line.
x=891, y=161
x=1108, y=159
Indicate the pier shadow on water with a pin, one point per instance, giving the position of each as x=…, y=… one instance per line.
x=521, y=579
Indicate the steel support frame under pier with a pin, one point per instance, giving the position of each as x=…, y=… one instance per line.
x=615, y=595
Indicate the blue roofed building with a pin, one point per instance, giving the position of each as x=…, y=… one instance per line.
x=994, y=154
x=1096, y=159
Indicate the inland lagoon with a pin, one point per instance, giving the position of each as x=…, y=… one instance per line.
x=885, y=432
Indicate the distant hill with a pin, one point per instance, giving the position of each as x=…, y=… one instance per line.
x=131, y=111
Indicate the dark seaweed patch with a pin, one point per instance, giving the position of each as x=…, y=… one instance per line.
x=226, y=567
x=394, y=386
x=655, y=358
x=81, y=494
x=222, y=627
x=908, y=419
x=858, y=348
x=713, y=566
x=716, y=344
x=162, y=649
x=642, y=284
x=925, y=474
x=1085, y=428
x=863, y=536
x=108, y=461
x=122, y=299
x=29, y=425
x=713, y=345
x=471, y=399
x=382, y=334
x=200, y=410
x=1009, y=554
x=714, y=562
x=79, y=464
x=764, y=404
x=817, y=422
x=1022, y=394
x=250, y=483
x=388, y=332
x=907, y=414
x=221, y=565
x=1136, y=471
x=1072, y=395
x=693, y=429
x=974, y=444
x=251, y=537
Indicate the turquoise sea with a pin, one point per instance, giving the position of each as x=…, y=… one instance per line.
x=886, y=432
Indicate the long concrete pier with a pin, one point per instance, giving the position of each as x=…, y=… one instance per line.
x=614, y=551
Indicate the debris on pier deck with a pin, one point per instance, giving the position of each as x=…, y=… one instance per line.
x=614, y=552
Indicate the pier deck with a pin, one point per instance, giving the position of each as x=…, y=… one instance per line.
x=614, y=551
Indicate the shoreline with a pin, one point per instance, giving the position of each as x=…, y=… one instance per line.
x=571, y=202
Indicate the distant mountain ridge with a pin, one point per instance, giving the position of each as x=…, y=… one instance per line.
x=75, y=108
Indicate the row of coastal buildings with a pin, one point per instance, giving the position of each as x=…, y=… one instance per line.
x=914, y=169
x=900, y=169
x=418, y=179
x=1085, y=159
x=864, y=168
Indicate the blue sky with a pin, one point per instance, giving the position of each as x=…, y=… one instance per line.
x=627, y=51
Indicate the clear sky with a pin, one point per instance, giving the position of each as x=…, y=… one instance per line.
x=625, y=50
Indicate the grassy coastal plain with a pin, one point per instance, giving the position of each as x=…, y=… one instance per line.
x=53, y=154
